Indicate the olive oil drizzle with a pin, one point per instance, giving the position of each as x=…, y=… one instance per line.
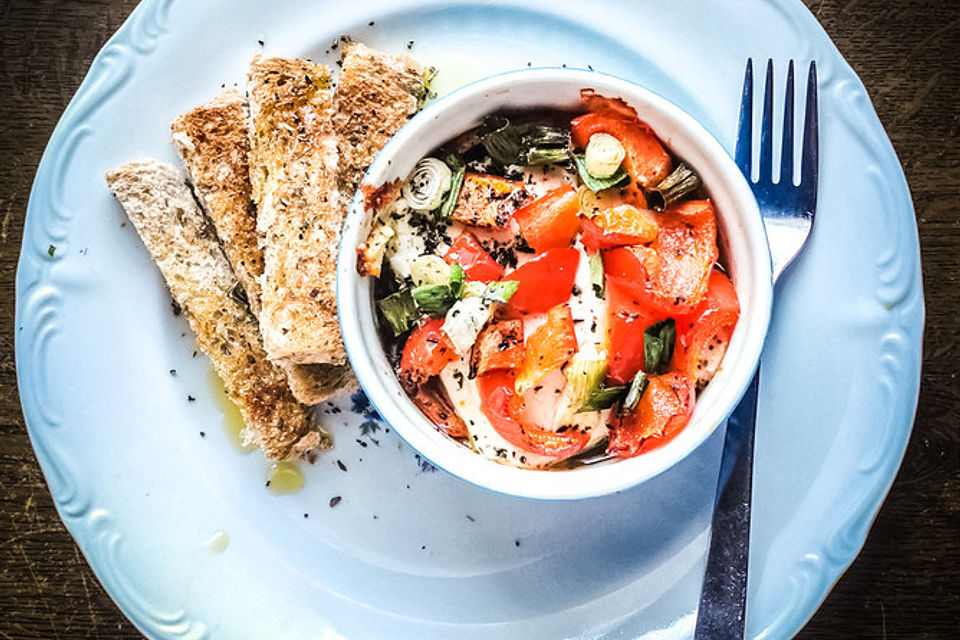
x=232, y=420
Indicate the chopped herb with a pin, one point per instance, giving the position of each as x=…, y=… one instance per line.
x=637, y=387
x=457, y=171
x=619, y=179
x=342, y=466
x=51, y=250
x=524, y=144
x=658, y=342
x=601, y=398
x=399, y=310
x=432, y=299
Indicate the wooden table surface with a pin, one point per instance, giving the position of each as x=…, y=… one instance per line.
x=905, y=583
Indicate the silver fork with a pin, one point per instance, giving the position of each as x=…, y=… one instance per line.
x=788, y=212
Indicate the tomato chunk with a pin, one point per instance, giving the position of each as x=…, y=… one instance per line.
x=627, y=319
x=630, y=222
x=550, y=221
x=548, y=348
x=502, y=407
x=634, y=268
x=687, y=246
x=427, y=351
x=477, y=263
x=703, y=335
x=499, y=346
x=618, y=226
x=432, y=400
x=664, y=409
x=686, y=249
x=646, y=161
x=545, y=281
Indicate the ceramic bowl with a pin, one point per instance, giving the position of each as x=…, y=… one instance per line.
x=743, y=246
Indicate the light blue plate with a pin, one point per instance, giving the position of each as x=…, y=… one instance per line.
x=409, y=552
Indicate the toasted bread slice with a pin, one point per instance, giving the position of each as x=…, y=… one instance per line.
x=313, y=383
x=185, y=247
x=212, y=141
x=376, y=94
x=293, y=170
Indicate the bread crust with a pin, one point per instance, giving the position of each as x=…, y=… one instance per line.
x=201, y=280
x=293, y=171
x=213, y=143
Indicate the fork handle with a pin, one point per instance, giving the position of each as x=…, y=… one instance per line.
x=723, y=600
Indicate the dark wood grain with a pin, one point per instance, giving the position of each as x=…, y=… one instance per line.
x=905, y=583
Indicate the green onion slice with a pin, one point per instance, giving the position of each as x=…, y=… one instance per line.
x=682, y=181
x=458, y=170
x=658, y=343
x=432, y=299
x=603, y=155
x=596, y=275
x=618, y=179
x=426, y=184
x=399, y=310
x=585, y=373
x=500, y=291
x=637, y=387
x=524, y=144
x=458, y=281
x=601, y=398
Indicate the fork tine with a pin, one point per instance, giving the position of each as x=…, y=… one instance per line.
x=786, y=153
x=766, y=129
x=811, y=144
x=744, y=152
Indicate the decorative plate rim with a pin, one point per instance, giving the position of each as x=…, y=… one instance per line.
x=39, y=303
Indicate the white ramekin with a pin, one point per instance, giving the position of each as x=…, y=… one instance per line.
x=744, y=247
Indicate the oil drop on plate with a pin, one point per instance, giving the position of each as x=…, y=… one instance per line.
x=284, y=477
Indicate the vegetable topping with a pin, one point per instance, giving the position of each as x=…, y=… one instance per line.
x=426, y=184
x=505, y=340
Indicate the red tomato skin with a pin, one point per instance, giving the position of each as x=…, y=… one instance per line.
x=663, y=411
x=545, y=281
x=549, y=347
x=438, y=409
x=503, y=408
x=627, y=318
x=499, y=346
x=595, y=238
x=713, y=319
x=551, y=220
x=476, y=263
x=686, y=250
x=426, y=352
